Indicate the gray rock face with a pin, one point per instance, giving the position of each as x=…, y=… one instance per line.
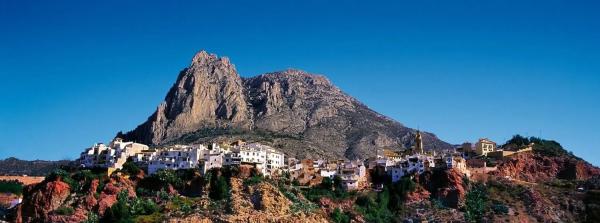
x=303, y=114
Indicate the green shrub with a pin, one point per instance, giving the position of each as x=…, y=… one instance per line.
x=219, y=188
x=13, y=187
x=161, y=181
x=398, y=192
x=338, y=216
x=92, y=218
x=140, y=206
x=374, y=207
x=314, y=194
x=254, y=180
x=298, y=205
x=64, y=211
x=131, y=168
x=64, y=176
x=326, y=183
x=120, y=211
x=84, y=179
x=476, y=203
x=500, y=208
x=153, y=218
x=541, y=146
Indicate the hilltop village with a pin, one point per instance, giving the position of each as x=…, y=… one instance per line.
x=524, y=180
x=467, y=159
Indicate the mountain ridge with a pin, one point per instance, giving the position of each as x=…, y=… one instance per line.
x=316, y=115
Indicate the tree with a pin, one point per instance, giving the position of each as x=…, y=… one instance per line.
x=327, y=183
x=339, y=217
x=337, y=182
x=120, y=211
x=399, y=191
x=131, y=168
x=476, y=203
x=218, y=188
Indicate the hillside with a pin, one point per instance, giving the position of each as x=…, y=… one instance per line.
x=16, y=167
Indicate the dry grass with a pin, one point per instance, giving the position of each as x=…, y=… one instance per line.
x=23, y=179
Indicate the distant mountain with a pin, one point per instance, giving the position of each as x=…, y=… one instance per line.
x=303, y=114
x=16, y=167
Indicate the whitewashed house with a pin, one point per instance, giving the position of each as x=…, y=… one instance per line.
x=111, y=156
x=417, y=163
x=264, y=158
x=353, y=175
x=176, y=157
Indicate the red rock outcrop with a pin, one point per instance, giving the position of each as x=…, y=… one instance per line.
x=445, y=185
x=328, y=206
x=111, y=190
x=532, y=167
x=41, y=199
x=417, y=196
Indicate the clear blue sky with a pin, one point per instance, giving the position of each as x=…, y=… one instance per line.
x=74, y=73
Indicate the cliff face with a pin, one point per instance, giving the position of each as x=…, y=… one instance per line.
x=207, y=94
x=533, y=167
x=303, y=114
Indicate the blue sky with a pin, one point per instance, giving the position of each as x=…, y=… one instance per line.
x=75, y=73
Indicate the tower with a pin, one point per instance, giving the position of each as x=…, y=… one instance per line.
x=419, y=143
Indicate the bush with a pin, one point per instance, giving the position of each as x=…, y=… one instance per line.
x=13, y=187
x=314, y=194
x=182, y=205
x=140, y=206
x=119, y=212
x=398, y=192
x=476, y=203
x=131, y=168
x=92, y=218
x=85, y=177
x=153, y=218
x=338, y=216
x=161, y=181
x=219, y=188
x=500, y=208
x=374, y=207
x=298, y=204
x=542, y=146
x=64, y=176
x=254, y=180
x=326, y=183
x=64, y=211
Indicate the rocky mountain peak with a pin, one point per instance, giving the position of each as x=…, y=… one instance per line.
x=303, y=114
x=203, y=58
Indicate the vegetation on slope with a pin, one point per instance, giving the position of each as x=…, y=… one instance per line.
x=542, y=146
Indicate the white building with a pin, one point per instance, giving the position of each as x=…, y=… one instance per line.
x=353, y=175
x=112, y=156
x=266, y=159
x=95, y=155
x=176, y=157
x=417, y=163
x=328, y=173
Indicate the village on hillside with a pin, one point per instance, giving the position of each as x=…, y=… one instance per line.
x=181, y=181
x=471, y=160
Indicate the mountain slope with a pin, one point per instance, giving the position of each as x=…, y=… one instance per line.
x=303, y=114
x=15, y=167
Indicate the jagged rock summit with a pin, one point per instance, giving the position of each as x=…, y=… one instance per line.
x=303, y=114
